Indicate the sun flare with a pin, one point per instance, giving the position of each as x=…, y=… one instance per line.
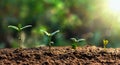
x=114, y=5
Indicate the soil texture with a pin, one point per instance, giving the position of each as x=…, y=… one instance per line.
x=88, y=55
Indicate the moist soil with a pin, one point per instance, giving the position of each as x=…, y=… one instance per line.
x=88, y=55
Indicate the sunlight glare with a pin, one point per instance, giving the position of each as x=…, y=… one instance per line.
x=114, y=5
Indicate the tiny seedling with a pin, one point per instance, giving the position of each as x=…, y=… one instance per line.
x=105, y=42
x=75, y=42
x=50, y=37
x=19, y=28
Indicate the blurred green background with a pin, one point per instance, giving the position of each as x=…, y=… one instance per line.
x=93, y=20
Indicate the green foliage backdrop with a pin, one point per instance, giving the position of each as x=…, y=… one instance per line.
x=74, y=18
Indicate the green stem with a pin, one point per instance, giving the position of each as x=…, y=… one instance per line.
x=49, y=43
x=76, y=45
x=19, y=39
x=104, y=46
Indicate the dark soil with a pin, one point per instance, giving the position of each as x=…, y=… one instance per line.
x=89, y=55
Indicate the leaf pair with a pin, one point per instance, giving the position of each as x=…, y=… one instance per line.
x=51, y=34
x=74, y=45
x=19, y=27
x=105, y=42
x=75, y=40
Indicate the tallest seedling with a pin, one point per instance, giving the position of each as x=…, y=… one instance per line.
x=19, y=28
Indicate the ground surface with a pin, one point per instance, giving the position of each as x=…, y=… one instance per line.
x=89, y=55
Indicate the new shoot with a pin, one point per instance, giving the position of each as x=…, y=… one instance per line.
x=19, y=28
x=105, y=42
x=75, y=42
x=50, y=42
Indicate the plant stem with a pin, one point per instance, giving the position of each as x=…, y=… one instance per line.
x=49, y=43
x=19, y=39
x=104, y=46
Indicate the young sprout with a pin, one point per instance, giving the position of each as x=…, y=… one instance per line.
x=19, y=28
x=74, y=45
x=50, y=37
x=105, y=42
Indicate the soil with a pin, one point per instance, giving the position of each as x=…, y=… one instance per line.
x=89, y=55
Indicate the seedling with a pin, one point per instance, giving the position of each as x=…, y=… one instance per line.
x=105, y=42
x=19, y=28
x=75, y=42
x=50, y=37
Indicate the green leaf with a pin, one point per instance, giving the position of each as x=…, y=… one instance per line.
x=74, y=39
x=14, y=27
x=79, y=40
x=46, y=33
x=55, y=32
x=26, y=27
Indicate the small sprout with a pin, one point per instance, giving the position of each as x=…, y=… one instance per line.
x=105, y=42
x=74, y=45
x=19, y=28
x=50, y=37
